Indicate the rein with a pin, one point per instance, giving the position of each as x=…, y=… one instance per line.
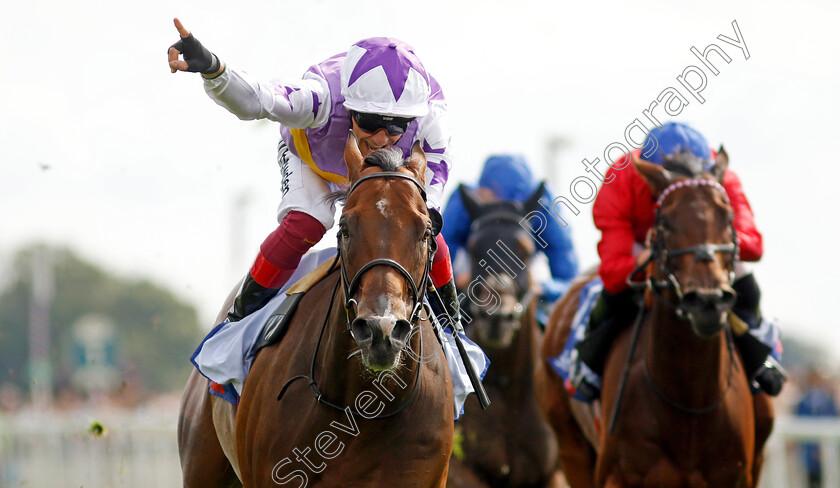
x=661, y=255
x=349, y=286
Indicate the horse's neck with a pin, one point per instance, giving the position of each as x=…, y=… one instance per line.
x=681, y=363
x=342, y=378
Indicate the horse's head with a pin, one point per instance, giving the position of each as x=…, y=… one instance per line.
x=385, y=233
x=693, y=243
x=499, y=249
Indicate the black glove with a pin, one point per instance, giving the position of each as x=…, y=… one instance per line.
x=198, y=58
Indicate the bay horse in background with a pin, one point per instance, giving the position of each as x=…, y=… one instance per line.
x=675, y=409
x=509, y=444
x=376, y=404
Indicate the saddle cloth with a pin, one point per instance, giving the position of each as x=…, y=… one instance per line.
x=226, y=354
x=567, y=360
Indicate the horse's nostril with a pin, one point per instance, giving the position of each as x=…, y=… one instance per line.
x=362, y=331
x=692, y=300
x=728, y=298
x=401, y=331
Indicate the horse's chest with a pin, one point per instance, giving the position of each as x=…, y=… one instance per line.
x=683, y=465
x=509, y=441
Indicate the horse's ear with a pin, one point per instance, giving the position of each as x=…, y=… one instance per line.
x=353, y=157
x=417, y=162
x=721, y=164
x=471, y=205
x=532, y=202
x=657, y=177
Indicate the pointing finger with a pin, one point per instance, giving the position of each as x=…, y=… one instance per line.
x=181, y=29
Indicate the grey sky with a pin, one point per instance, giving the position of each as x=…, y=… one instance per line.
x=104, y=150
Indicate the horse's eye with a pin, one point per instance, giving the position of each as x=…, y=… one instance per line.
x=427, y=234
x=342, y=230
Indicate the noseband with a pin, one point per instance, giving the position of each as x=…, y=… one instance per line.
x=418, y=292
x=702, y=252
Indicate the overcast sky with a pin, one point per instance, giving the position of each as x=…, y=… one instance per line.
x=105, y=151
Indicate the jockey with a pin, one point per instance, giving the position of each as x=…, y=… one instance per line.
x=508, y=177
x=624, y=212
x=379, y=91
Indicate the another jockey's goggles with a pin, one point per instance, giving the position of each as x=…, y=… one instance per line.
x=373, y=122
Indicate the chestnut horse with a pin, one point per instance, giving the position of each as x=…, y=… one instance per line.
x=509, y=444
x=369, y=411
x=676, y=409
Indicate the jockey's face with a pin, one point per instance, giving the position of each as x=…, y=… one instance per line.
x=371, y=141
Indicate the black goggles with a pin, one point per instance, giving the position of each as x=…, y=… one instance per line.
x=373, y=122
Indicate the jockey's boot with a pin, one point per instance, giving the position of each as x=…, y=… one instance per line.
x=762, y=368
x=260, y=286
x=611, y=314
x=758, y=339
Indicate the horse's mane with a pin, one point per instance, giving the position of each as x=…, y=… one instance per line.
x=386, y=159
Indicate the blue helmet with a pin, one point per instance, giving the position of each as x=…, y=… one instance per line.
x=678, y=147
x=508, y=177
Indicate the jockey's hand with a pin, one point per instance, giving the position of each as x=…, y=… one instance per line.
x=197, y=59
x=643, y=257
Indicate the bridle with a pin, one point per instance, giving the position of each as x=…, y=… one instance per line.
x=349, y=286
x=511, y=213
x=662, y=255
x=418, y=292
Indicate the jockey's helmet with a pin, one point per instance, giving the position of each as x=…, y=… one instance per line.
x=678, y=146
x=382, y=75
x=508, y=177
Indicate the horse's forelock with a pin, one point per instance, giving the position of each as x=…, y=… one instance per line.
x=387, y=159
x=685, y=163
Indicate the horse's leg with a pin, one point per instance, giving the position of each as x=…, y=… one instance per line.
x=764, y=419
x=203, y=462
x=577, y=457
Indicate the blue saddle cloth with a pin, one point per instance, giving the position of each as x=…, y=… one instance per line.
x=567, y=360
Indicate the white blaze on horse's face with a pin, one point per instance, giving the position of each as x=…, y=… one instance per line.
x=382, y=205
x=395, y=229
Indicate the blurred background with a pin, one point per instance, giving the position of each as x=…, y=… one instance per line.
x=130, y=203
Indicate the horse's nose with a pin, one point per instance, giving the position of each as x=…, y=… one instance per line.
x=717, y=300
x=364, y=330
x=699, y=300
x=367, y=330
x=401, y=331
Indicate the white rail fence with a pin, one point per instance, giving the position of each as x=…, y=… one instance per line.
x=138, y=449
x=783, y=467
